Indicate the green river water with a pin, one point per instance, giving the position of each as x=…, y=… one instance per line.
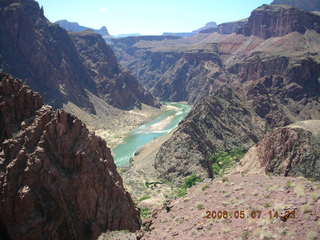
x=149, y=131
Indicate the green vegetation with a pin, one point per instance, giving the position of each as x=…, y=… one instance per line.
x=181, y=192
x=200, y=207
x=144, y=198
x=145, y=212
x=205, y=187
x=188, y=183
x=192, y=180
x=223, y=161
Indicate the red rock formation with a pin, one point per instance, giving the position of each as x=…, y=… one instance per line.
x=292, y=151
x=57, y=180
x=275, y=20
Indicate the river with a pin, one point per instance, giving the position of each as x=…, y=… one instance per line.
x=149, y=131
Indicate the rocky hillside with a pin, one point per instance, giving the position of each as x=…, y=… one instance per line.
x=241, y=207
x=75, y=27
x=309, y=5
x=58, y=180
x=266, y=197
x=214, y=124
x=45, y=57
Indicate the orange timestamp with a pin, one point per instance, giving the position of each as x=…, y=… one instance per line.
x=284, y=215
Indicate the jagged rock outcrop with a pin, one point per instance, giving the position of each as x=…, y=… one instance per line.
x=57, y=180
x=45, y=57
x=288, y=151
x=309, y=5
x=274, y=20
x=75, y=27
x=117, y=87
x=217, y=123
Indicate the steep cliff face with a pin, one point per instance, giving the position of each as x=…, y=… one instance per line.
x=309, y=5
x=42, y=54
x=118, y=88
x=289, y=151
x=58, y=180
x=45, y=57
x=274, y=20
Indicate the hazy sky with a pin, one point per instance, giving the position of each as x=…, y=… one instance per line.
x=148, y=16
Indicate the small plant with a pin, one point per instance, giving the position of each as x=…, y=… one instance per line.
x=223, y=161
x=312, y=236
x=245, y=235
x=205, y=187
x=144, y=198
x=290, y=184
x=306, y=209
x=181, y=192
x=200, y=206
x=225, y=179
x=145, y=212
x=267, y=205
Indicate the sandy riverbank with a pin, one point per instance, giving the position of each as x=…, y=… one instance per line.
x=113, y=124
x=143, y=171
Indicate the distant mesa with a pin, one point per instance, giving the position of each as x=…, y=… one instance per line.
x=127, y=35
x=209, y=25
x=75, y=27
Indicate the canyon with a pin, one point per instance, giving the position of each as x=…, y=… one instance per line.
x=253, y=87
x=242, y=84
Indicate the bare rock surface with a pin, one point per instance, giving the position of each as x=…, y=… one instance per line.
x=57, y=180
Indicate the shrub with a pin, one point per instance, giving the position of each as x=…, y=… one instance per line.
x=188, y=183
x=145, y=212
x=223, y=161
x=144, y=198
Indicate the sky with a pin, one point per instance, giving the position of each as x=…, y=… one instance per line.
x=148, y=17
